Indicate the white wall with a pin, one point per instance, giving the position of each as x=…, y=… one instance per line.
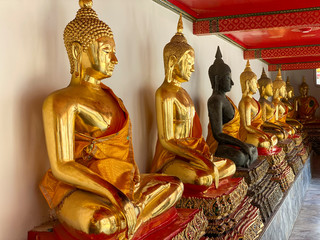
x=33, y=63
x=296, y=80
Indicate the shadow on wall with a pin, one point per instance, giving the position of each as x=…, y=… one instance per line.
x=32, y=161
x=149, y=129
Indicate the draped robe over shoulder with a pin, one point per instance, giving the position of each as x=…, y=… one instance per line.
x=111, y=157
x=307, y=107
x=256, y=122
x=231, y=128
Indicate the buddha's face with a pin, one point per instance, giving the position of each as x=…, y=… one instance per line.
x=226, y=83
x=184, y=68
x=269, y=90
x=283, y=91
x=290, y=93
x=100, y=59
x=304, y=91
x=253, y=85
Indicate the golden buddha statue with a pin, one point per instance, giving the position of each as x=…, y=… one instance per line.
x=280, y=92
x=94, y=184
x=305, y=105
x=288, y=99
x=270, y=110
x=251, y=121
x=181, y=149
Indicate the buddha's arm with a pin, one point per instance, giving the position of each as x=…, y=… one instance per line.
x=59, y=117
x=245, y=118
x=216, y=117
x=165, y=122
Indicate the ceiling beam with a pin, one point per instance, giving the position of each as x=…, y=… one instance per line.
x=286, y=52
x=223, y=25
x=293, y=66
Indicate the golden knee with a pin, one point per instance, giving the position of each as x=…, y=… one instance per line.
x=105, y=221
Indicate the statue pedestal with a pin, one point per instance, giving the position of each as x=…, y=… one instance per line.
x=281, y=172
x=228, y=210
x=281, y=223
x=175, y=223
x=294, y=160
x=265, y=193
x=287, y=145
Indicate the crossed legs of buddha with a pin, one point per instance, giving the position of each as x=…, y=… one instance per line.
x=91, y=213
x=236, y=154
x=192, y=173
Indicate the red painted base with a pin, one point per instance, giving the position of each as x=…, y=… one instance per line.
x=163, y=227
x=273, y=151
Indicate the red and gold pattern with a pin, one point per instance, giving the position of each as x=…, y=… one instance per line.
x=294, y=66
x=180, y=224
x=230, y=24
x=303, y=51
x=216, y=203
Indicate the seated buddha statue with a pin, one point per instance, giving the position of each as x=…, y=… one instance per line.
x=269, y=110
x=279, y=92
x=288, y=99
x=223, y=130
x=94, y=184
x=181, y=149
x=251, y=121
x=305, y=105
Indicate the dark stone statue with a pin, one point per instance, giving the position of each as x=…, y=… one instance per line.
x=223, y=130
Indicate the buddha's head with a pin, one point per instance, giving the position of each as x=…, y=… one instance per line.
x=220, y=74
x=90, y=44
x=248, y=81
x=289, y=88
x=178, y=57
x=304, y=88
x=279, y=86
x=265, y=85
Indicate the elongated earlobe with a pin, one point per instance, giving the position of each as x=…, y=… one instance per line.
x=76, y=53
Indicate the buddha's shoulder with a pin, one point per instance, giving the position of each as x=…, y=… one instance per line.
x=169, y=91
x=64, y=97
x=246, y=99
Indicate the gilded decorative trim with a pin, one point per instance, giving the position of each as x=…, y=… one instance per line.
x=216, y=208
x=194, y=229
x=287, y=145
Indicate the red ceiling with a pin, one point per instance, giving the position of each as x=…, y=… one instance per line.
x=279, y=32
x=217, y=8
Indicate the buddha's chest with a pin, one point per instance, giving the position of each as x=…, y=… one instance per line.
x=254, y=108
x=183, y=108
x=99, y=115
x=228, y=112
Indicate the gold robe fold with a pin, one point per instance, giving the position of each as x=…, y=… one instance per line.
x=195, y=142
x=307, y=108
x=111, y=157
x=231, y=128
x=256, y=122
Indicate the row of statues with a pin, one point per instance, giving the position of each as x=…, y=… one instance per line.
x=94, y=184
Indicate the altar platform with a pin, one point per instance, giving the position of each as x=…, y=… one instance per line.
x=280, y=225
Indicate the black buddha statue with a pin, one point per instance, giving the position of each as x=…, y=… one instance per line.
x=223, y=129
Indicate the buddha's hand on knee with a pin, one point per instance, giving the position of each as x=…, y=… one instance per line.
x=130, y=213
x=206, y=180
x=252, y=152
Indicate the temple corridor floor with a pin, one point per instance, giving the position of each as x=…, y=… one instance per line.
x=307, y=225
